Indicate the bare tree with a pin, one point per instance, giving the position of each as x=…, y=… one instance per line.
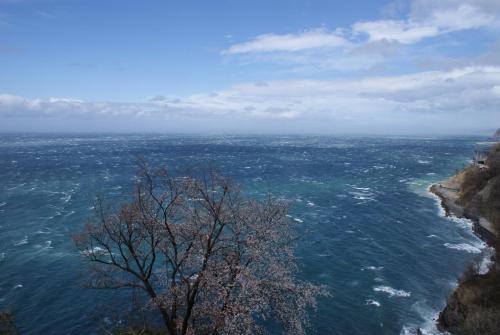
x=210, y=260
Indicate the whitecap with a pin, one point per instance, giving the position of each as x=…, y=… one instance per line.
x=2, y=256
x=441, y=211
x=462, y=222
x=295, y=219
x=392, y=291
x=2, y=204
x=95, y=250
x=372, y=268
x=69, y=213
x=66, y=198
x=372, y=302
x=43, y=231
x=365, y=238
x=22, y=242
x=17, y=186
x=368, y=196
x=426, y=313
x=311, y=204
x=18, y=286
x=464, y=247
x=421, y=161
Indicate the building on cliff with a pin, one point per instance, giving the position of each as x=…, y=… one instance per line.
x=481, y=156
x=482, y=151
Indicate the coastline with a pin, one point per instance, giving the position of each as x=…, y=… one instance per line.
x=448, y=192
x=473, y=286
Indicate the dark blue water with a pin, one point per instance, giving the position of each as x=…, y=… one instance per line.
x=371, y=232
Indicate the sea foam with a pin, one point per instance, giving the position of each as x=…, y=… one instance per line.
x=464, y=247
x=392, y=291
x=22, y=242
x=372, y=302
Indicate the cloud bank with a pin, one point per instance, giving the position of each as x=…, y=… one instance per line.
x=311, y=39
x=367, y=44
x=469, y=95
x=458, y=93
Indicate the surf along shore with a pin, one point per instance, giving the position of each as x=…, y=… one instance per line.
x=474, y=193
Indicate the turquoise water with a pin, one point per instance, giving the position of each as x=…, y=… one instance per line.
x=371, y=232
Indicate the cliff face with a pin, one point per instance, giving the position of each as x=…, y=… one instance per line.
x=474, y=307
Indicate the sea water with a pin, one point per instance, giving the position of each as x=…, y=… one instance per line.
x=370, y=231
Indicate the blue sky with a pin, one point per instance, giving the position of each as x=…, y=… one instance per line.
x=409, y=67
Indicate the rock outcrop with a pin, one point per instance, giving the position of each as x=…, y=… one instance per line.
x=474, y=306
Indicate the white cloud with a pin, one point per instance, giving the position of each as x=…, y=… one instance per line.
x=322, y=49
x=398, y=31
x=466, y=97
x=430, y=20
x=311, y=39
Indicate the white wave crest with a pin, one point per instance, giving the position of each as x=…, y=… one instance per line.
x=392, y=291
x=372, y=268
x=464, y=247
x=295, y=219
x=372, y=302
x=22, y=242
x=95, y=250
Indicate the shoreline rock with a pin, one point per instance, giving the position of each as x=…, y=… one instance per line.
x=462, y=305
x=483, y=228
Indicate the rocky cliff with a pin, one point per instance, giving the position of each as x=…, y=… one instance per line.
x=474, y=306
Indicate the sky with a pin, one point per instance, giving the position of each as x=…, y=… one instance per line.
x=286, y=66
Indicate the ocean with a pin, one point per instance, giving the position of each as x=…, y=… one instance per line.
x=370, y=231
